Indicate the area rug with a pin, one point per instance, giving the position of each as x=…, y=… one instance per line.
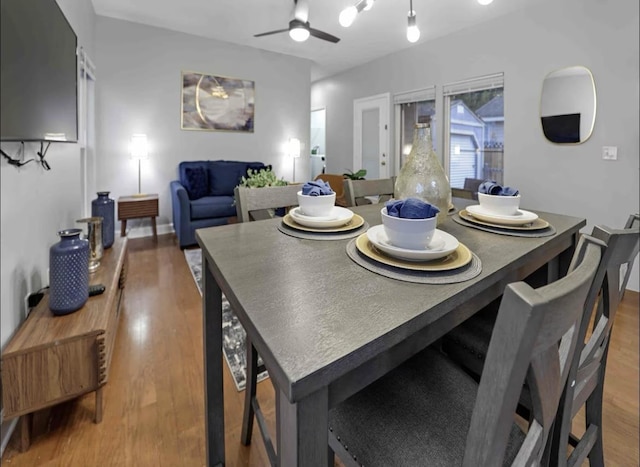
x=233, y=334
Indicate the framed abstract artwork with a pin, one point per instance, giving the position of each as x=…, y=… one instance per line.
x=217, y=103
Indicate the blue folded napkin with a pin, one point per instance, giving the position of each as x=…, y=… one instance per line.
x=316, y=188
x=491, y=187
x=411, y=208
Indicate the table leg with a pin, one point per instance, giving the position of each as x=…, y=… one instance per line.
x=25, y=431
x=123, y=227
x=212, y=344
x=155, y=230
x=302, y=429
x=99, y=405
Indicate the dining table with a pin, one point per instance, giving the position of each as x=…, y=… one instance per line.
x=326, y=327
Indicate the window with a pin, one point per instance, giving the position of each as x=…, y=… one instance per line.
x=474, y=131
x=413, y=107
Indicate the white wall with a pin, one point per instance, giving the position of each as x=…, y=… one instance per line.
x=36, y=204
x=574, y=180
x=139, y=83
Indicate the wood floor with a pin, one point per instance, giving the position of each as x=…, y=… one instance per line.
x=154, y=406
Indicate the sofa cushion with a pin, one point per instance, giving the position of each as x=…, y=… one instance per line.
x=224, y=176
x=197, y=182
x=212, y=206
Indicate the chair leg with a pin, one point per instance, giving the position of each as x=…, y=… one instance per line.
x=594, y=418
x=250, y=393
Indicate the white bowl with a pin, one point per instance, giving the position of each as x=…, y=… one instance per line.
x=316, y=206
x=501, y=205
x=412, y=234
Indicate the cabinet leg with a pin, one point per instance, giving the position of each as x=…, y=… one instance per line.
x=155, y=230
x=25, y=432
x=123, y=228
x=99, y=404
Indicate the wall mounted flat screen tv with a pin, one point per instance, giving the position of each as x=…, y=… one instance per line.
x=38, y=73
x=562, y=128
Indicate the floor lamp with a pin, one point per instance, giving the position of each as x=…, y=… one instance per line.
x=139, y=151
x=294, y=152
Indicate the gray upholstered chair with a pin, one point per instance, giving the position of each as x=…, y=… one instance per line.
x=356, y=190
x=468, y=343
x=259, y=203
x=430, y=412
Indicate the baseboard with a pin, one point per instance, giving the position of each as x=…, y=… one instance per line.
x=147, y=231
x=6, y=430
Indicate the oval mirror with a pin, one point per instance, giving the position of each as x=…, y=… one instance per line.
x=568, y=105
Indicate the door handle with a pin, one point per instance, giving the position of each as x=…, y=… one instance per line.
x=383, y=163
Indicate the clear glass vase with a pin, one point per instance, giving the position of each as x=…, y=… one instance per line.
x=422, y=176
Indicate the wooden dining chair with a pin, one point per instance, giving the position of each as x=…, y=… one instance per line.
x=632, y=223
x=462, y=193
x=336, y=181
x=590, y=362
x=259, y=203
x=429, y=411
x=356, y=190
x=467, y=344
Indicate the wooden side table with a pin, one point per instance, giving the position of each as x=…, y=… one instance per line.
x=52, y=359
x=136, y=207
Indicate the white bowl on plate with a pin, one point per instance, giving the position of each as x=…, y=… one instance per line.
x=501, y=205
x=411, y=234
x=316, y=206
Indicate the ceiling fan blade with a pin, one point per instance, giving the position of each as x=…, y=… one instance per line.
x=301, y=10
x=323, y=35
x=270, y=32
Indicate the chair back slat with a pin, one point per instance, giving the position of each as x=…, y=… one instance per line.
x=257, y=199
x=523, y=345
x=356, y=190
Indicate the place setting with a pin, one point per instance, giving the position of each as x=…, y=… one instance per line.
x=407, y=246
x=318, y=218
x=499, y=212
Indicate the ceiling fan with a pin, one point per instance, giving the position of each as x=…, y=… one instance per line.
x=299, y=28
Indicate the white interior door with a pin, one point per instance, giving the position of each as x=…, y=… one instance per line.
x=371, y=135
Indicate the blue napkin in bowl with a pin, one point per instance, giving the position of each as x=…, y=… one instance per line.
x=411, y=208
x=491, y=187
x=316, y=188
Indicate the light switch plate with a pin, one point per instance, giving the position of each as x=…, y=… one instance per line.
x=610, y=153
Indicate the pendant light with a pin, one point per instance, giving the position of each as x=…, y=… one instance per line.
x=413, y=33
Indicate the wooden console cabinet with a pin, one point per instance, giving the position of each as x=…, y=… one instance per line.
x=52, y=359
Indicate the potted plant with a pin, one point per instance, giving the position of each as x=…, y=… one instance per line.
x=359, y=175
x=261, y=178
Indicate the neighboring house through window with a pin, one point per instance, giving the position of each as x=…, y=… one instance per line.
x=474, y=131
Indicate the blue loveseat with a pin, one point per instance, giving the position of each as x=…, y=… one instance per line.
x=203, y=195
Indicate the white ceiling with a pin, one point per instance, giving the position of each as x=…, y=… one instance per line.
x=375, y=33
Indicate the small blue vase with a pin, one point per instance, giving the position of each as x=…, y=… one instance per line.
x=104, y=207
x=68, y=273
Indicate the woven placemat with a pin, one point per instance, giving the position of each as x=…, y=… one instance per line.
x=462, y=274
x=285, y=229
x=547, y=232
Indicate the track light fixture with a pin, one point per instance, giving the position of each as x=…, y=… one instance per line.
x=413, y=33
x=348, y=15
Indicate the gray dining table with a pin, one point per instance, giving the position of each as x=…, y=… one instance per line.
x=326, y=327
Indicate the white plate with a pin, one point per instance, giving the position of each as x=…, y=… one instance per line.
x=521, y=218
x=339, y=216
x=441, y=245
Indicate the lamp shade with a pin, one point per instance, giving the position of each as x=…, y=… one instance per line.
x=294, y=147
x=139, y=148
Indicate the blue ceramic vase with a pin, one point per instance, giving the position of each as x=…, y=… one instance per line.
x=68, y=273
x=104, y=207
